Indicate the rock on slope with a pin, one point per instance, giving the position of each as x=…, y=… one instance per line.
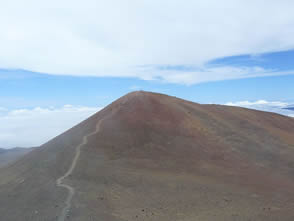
x=157, y=157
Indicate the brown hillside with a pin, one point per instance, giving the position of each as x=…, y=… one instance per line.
x=150, y=156
x=8, y=156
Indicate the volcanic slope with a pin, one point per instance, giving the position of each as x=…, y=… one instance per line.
x=150, y=156
x=8, y=156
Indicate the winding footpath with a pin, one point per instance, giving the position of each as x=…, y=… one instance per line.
x=60, y=181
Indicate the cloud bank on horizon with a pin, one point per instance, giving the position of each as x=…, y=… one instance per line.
x=33, y=127
x=171, y=41
x=279, y=107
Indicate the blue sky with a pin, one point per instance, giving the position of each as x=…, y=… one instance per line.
x=25, y=89
x=45, y=90
x=61, y=61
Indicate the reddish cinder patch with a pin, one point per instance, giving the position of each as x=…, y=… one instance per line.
x=238, y=145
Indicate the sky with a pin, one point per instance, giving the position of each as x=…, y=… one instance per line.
x=62, y=61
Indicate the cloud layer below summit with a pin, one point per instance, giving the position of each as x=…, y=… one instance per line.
x=263, y=105
x=33, y=127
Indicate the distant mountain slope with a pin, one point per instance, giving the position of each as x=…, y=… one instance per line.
x=8, y=156
x=150, y=156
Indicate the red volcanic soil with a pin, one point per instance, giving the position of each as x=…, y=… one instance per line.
x=156, y=157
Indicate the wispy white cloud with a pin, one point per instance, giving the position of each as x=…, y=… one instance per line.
x=32, y=127
x=114, y=38
x=205, y=74
x=263, y=105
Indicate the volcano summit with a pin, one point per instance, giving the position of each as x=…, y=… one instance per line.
x=150, y=156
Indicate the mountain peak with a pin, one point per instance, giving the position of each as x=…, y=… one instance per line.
x=141, y=95
x=149, y=151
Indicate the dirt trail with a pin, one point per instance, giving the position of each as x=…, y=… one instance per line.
x=59, y=181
